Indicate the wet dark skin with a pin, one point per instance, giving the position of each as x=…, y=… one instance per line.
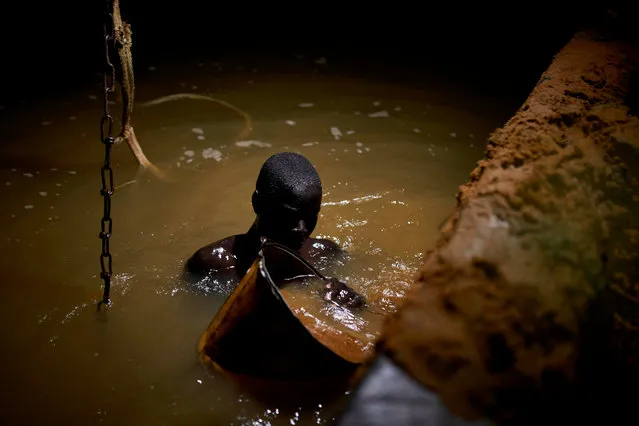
x=288, y=218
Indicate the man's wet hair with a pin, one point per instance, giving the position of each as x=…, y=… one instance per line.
x=287, y=178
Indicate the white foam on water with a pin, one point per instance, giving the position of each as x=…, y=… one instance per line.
x=259, y=144
x=43, y=193
x=472, y=145
x=453, y=135
x=306, y=105
x=379, y=114
x=93, y=97
x=357, y=113
x=359, y=144
x=13, y=170
x=189, y=153
x=193, y=87
x=201, y=137
x=212, y=153
x=470, y=135
x=359, y=151
x=189, y=160
x=367, y=149
x=29, y=175
x=28, y=206
x=337, y=134
x=7, y=183
x=350, y=132
x=71, y=172
x=290, y=122
x=197, y=131
x=377, y=103
x=398, y=108
x=310, y=143
x=53, y=169
x=46, y=123
x=321, y=61
x=416, y=130
x=152, y=68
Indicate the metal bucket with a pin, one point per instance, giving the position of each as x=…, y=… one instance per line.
x=256, y=333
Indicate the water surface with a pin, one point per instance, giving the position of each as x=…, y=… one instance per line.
x=390, y=157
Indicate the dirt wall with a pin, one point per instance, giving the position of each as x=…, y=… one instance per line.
x=528, y=306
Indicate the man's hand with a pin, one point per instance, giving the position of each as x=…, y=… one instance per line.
x=338, y=292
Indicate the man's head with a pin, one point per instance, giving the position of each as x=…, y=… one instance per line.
x=287, y=199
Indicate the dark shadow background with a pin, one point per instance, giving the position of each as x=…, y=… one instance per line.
x=52, y=46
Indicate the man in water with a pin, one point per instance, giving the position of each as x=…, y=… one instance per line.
x=286, y=201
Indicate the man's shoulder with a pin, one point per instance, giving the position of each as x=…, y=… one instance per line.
x=216, y=255
x=323, y=253
x=324, y=244
x=225, y=243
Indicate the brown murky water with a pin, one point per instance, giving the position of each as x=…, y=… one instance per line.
x=356, y=329
x=390, y=157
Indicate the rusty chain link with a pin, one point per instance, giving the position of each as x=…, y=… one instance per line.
x=106, y=136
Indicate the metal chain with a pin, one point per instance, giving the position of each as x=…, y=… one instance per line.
x=106, y=136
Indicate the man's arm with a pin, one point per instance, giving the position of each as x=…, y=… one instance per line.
x=326, y=255
x=337, y=291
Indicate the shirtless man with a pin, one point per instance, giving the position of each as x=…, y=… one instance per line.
x=286, y=201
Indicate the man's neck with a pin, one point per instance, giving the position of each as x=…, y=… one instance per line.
x=252, y=242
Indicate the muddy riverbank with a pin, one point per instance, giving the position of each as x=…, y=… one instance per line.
x=528, y=304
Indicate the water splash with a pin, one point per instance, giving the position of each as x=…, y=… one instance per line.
x=355, y=200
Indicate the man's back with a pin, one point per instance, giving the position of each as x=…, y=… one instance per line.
x=235, y=254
